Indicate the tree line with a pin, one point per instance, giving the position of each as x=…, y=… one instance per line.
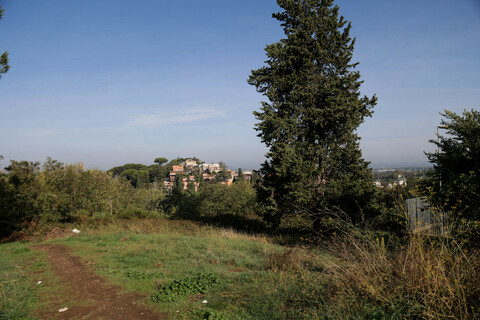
x=32, y=193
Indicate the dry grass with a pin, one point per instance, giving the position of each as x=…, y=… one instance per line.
x=428, y=278
x=294, y=260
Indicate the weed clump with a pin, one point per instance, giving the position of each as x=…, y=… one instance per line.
x=197, y=284
x=213, y=315
x=290, y=260
x=142, y=276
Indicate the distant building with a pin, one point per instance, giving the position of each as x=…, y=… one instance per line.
x=401, y=181
x=190, y=164
x=378, y=184
x=386, y=170
x=233, y=174
x=248, y=175
x=211, y=167
x=177, y=168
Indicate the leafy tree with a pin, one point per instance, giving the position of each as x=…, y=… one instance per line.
x=222, y=165
x=158, y=172
x=217, y=199
x=198, y=174
x=240, y=175
x=176, y=162
x=138, y=174
x=4, y=66
x=314, y=162
x=136, y=166
x=138, y=178
x=116, y=171
x=20, y=191
x=222, y=175
x=161, y=161
x=456, y=164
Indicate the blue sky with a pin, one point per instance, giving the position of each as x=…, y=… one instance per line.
x=114, y=82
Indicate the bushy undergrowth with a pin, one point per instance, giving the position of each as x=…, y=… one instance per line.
x=58, y=192
x=213, y=200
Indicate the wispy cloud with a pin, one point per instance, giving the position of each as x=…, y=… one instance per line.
x=40, y=133
x=153, y=120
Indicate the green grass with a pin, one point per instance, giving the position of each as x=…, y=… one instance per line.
x=17, y=288
x=182, y=258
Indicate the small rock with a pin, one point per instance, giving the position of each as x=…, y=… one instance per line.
x=76, y=231
x=39, y=282
x=63, y=309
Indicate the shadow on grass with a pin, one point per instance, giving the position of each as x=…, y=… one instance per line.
x=242, y=223
x=253, y=224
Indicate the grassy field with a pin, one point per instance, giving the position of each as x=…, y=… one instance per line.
x=177, y=265
x=191, y=271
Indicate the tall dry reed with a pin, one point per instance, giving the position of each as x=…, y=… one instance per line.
x=430, y=278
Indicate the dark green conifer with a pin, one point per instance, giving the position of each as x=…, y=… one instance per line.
x=240, y=175
x=314, y=162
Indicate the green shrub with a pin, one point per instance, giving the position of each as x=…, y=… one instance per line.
x=184, y=287
x=236, y=199
x=143, y=276
x=213, y=315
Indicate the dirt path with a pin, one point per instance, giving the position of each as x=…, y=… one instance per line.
x=97, y=298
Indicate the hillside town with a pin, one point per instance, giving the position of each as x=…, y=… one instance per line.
x=192, y=172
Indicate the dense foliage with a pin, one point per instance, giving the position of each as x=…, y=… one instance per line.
x=58, y=192
x=213, y=200
x=456, y=164
x=314, y=163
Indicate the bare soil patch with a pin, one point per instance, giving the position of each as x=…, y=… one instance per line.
x=91, y=296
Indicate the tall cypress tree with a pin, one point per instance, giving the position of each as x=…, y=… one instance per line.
x=314, y=162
